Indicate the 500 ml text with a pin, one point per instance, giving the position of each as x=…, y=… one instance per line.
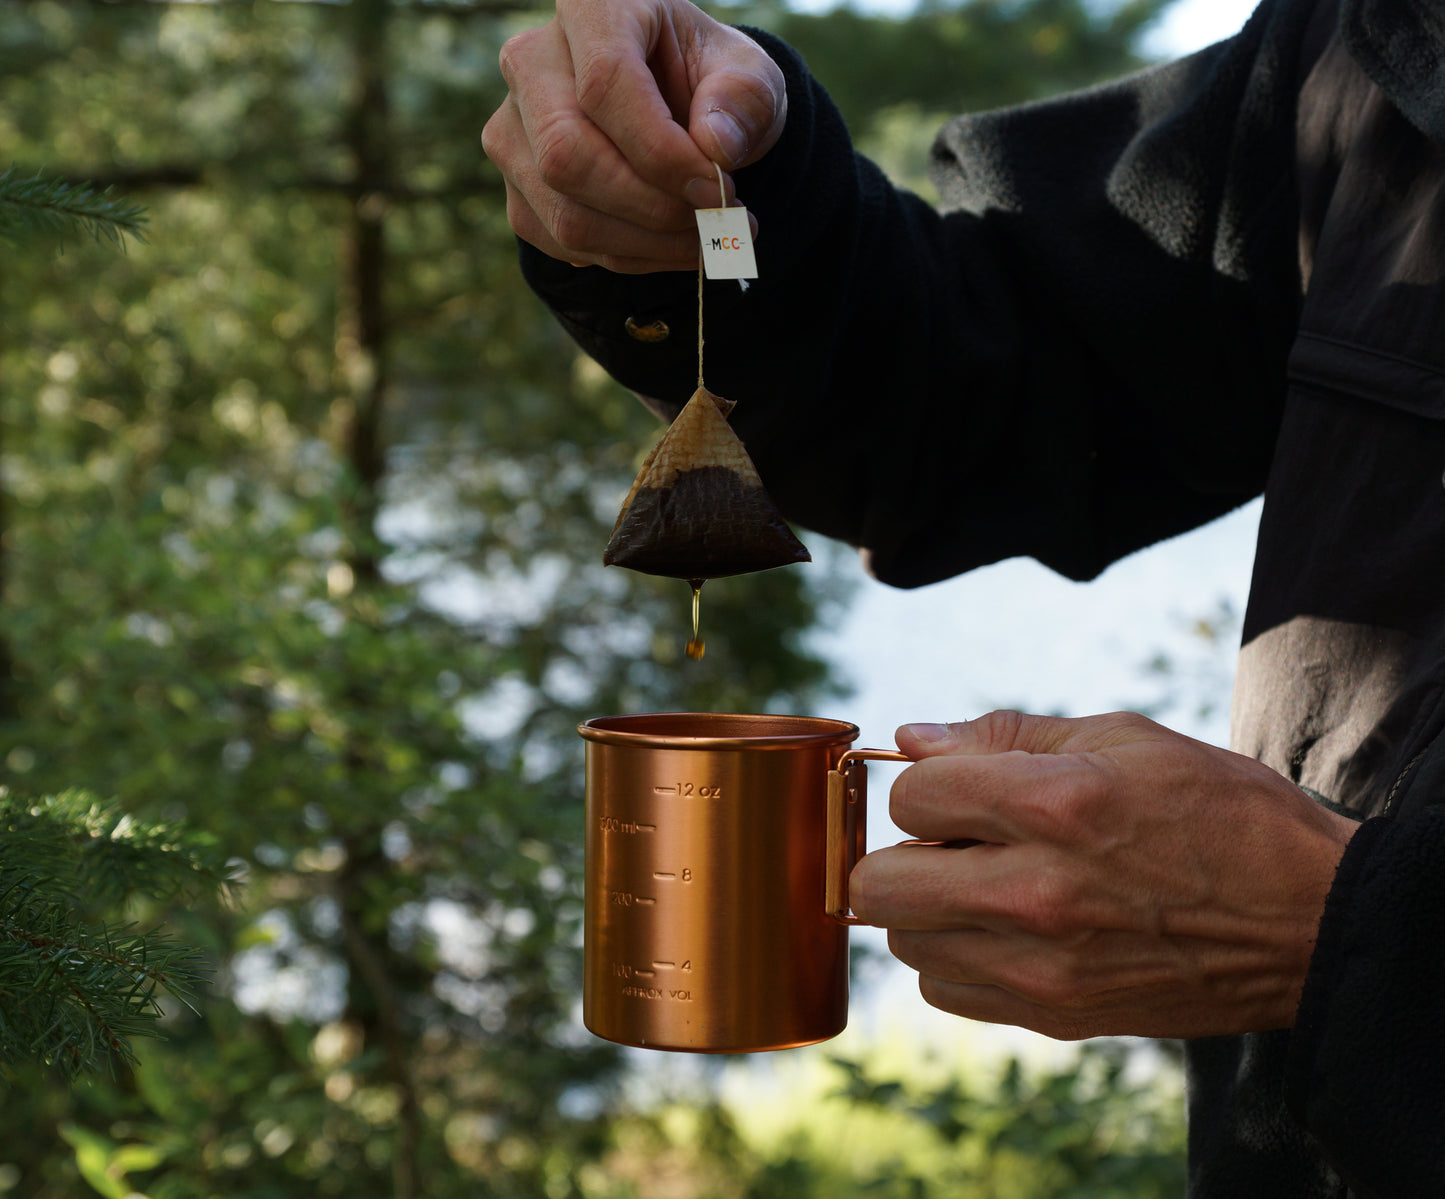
x=611, y=824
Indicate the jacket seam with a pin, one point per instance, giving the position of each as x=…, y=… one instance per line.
x=1360, y=348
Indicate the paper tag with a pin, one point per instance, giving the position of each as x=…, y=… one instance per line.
x=727, y=243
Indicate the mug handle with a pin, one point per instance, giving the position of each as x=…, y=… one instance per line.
x=848, y=825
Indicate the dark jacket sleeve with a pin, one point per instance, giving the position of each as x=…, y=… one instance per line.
x=1081, y=354
x=1366, y=1052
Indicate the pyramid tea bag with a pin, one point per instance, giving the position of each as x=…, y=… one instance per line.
x=698, y=509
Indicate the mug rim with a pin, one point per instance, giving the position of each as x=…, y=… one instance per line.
x=660, y=730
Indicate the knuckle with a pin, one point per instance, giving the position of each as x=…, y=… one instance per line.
x=1054, y=986
x=1114, y=730
x=529, y=228
x=571, y=227
x=1000, y=727
x=1070, y=799
x=1130, y=724
x=513, y=57
x=496, y=137
x=1087, y=802
x=598, y=72
x=1045, y=905
x=521, y=218
x=557, y=146
x=762, y=92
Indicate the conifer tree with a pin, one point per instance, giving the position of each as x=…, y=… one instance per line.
x=78, y=982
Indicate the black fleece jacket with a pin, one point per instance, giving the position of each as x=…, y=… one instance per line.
x=1138, y=307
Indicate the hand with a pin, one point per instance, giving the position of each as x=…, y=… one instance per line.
x=1129, y=880
x=618, y=110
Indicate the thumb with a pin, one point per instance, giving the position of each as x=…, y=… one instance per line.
x=740, y=104
x=997, y=733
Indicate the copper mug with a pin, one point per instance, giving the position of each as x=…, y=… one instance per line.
x=718, y=854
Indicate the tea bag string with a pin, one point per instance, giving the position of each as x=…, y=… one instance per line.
x=723, y=203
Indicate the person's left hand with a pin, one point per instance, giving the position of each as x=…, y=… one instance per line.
x=1128, y=881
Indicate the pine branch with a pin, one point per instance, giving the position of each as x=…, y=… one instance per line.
x=75, y=991
x=73, y=997
x=94, y=854
x=37, y=207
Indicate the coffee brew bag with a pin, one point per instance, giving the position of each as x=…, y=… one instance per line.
x=698, y=509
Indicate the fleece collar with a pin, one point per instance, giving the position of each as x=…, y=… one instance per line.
x=1400, y=44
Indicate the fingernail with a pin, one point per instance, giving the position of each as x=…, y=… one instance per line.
x=732, y=139
x=931, y=732
x=703, y=193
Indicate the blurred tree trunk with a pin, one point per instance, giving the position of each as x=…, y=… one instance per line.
x=363, y=375
x=361, y=343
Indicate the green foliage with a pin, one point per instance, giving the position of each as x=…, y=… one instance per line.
x=104, y=1165
x=1107, y=1124
x=92, y=854
x=36, y=207
x=962, y=57
x=75, y=988
x=1085, y=1131
x=943, y=58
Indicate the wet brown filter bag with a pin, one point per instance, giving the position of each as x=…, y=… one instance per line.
x=698, y=509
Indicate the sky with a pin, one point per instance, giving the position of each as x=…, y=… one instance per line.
x=1191, y=24
x=1187, y=25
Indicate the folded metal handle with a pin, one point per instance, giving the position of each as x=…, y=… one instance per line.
x=848, y=825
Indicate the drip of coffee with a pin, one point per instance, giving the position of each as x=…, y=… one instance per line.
x=695, y=647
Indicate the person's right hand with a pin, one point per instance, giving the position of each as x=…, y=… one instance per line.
x=616, y=113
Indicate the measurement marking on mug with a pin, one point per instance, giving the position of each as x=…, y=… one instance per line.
x=625, y=899
x=687, y=790
x=611, y=824
x=672, y=875
x=623, y=970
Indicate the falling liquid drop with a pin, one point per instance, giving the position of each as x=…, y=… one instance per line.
x=695, y=647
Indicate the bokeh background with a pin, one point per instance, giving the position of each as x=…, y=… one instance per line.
x=303, y=503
